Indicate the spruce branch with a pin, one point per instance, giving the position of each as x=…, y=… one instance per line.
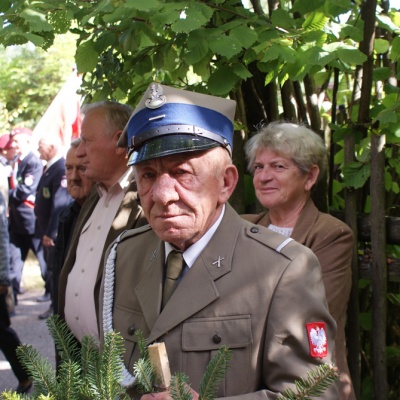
x=65, y=341
x=111, y=366
x=215, y=372
x=318, y=380
x=180, y=389
x=144, y=376
x=39, y=369
x=143, y=369
x=69, y=382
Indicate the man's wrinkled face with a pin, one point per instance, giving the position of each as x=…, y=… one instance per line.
x=181, y=195
x=97, y=149
x=78, y=184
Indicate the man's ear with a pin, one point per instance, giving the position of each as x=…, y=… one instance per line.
x=231, y=177
x=116, y=136
x=312, y=177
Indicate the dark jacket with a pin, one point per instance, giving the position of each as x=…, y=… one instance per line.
x=66, y=226
x=51, y=198
x=22, y=197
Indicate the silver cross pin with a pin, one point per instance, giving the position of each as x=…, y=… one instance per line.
x=153, y=256
x=218, y=262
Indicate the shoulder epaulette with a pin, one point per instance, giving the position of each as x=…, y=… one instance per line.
x=134, y=232
x=268, y=238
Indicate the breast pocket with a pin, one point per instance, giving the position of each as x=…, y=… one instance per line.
x=128, y=322
x=201, y=339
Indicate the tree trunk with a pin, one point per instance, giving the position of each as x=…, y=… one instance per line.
x=379, y=267
x=353, y=311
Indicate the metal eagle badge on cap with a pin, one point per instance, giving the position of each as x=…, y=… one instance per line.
x=157, y=98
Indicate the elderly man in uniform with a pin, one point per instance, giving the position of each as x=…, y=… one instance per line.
x=52, y=198
x=24, y=179
x=238, y=284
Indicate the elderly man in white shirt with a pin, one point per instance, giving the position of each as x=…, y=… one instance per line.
x=111, y=208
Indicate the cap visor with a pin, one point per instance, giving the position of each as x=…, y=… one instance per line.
x=171, y=144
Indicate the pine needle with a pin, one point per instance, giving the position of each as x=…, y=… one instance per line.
x=318, y=380
x=180, y=389
x=39, y=369
x=215, y=372
x=65, y=341
x=144, y=373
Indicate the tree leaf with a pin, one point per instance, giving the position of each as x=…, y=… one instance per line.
x=241, y=71
x=351, y=56
x=222, y=81
x=225, y=46
x=356, y=174
x=36, y=20
x=381, y=46
x=244, y=35
x=86, y=57
x=143, y=5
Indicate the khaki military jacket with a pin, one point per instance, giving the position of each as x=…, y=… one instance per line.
x=129, y=215
x=250, y=289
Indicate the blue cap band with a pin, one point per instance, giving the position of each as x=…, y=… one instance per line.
x=179, y=114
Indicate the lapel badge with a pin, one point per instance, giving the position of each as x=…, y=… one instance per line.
x=153, y=256
x=218, y=262
x=156, y=98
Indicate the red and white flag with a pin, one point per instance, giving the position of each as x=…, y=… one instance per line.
x=62, y=117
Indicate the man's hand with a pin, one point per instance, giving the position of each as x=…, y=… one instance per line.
x=47, y=241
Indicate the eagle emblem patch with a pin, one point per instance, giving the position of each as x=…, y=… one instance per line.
x=317, y=339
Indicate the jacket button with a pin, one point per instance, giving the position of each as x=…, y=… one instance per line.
x=131, y=330
x=254, y=229
x=217, y=338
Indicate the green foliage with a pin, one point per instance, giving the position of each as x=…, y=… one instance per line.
x=30, y=78
x=179, y=386
x=85, y=373
x=215, y=372
x=318, y=380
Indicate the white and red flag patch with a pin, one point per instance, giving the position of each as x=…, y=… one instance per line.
x=317, y=339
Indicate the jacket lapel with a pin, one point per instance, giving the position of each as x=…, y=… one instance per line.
x=197, y=289
x=149, y=290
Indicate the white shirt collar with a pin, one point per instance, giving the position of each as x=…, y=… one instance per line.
x=53, y=161
x=123, y=182
x=190, y=255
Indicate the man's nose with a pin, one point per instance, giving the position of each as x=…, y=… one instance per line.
x=164, y=190
x=80, y=150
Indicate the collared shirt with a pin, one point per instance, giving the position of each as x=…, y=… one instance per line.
x=53, y=161
x=80, y=312
x=190, y=254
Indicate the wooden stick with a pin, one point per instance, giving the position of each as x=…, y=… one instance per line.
x=159, y=361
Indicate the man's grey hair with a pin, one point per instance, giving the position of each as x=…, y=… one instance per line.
x=116, y=115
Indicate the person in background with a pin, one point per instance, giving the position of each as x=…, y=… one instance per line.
x=9, y=340
x=52, y=198
x=5, y=167
x=5, y=173
x=187, y=279
x=286, y=161
x=111, y=207
x=24, y=179
x=78, y=186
